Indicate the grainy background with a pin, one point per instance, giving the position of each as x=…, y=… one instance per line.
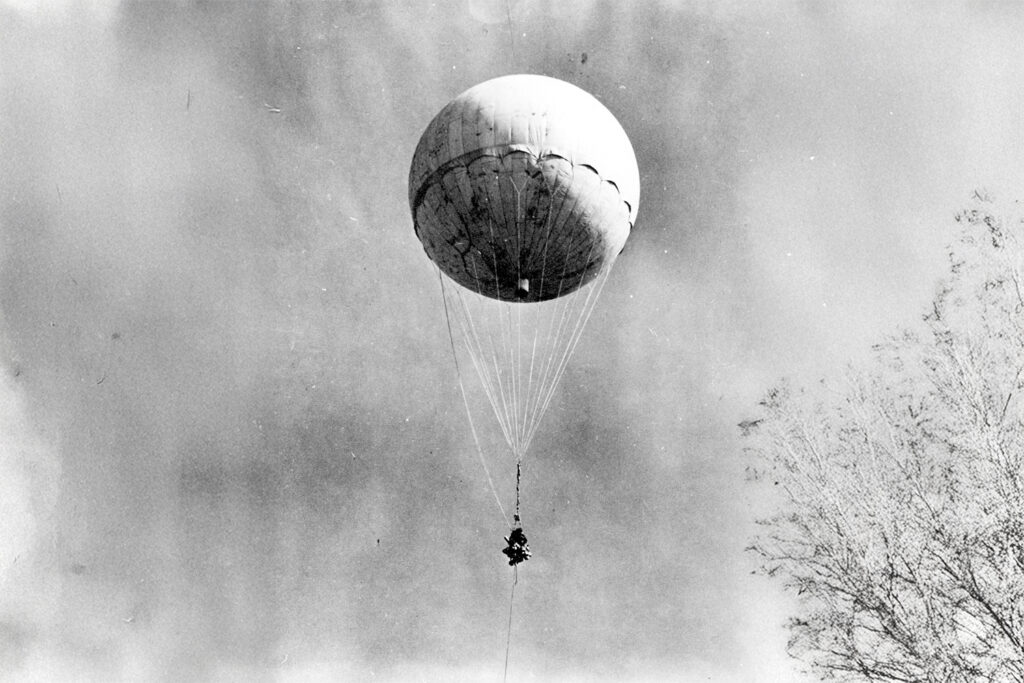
x=231, y=441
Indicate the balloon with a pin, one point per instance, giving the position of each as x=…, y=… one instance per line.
x=524, y=188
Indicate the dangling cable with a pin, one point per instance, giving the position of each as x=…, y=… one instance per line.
x=465, y=402
x=511, y=601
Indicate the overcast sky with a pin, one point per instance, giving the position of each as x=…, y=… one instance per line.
x=232, y=445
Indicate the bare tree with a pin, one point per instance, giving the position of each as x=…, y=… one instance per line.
x=900, y=522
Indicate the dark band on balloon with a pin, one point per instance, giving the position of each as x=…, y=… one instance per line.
x=498, y=152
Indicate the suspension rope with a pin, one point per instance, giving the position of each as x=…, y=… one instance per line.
x=561, y=307
x=477, y=354
x=465, y=402
x=519, y=373
x=517, y=359
x=583, y=316
x=536, y=329
x=589, y=306
x=506, y=344
x=519, y=474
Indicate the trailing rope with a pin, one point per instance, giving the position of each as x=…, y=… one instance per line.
x=511, y=601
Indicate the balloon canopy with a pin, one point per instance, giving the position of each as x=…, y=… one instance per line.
x=524, y=188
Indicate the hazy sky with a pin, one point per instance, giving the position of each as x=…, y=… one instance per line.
x=232, y=445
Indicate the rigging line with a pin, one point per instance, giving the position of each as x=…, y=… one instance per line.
x=578, y=335
x=583, y=316
x=485, y=382
x=511, y=600
x=579, y=285
x=580, y=315
x=519, y=308
x=502, y=411
x=548, y=349
x=553, y=340
x=491, y=400
x=479, y=359
x=556, y=207
x=550, y=343
x=542, y=307
x=505, y=412
x=509, y=219
x=505, y=315
x=537, y=319
x=553, y=335
x=469, y=415
x=529, y=389
x=465, y=402
x=506, y=397
x=497, y=295
x=519, y=361
x=476, y=353
x=519, y=476
x=515, y=356
x=505, y=322
x=562, y=311
x=506, y=366
x=573, y=340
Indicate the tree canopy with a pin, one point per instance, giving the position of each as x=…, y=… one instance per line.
x=900, y=521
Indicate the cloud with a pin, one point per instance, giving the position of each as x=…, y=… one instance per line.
x=29, y=482
x=45, y=11
x=30, y=476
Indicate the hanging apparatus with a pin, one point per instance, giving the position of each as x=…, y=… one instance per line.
x=517, y=549
x=523, y=191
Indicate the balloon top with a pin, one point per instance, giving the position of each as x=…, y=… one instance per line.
x=529, y=112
